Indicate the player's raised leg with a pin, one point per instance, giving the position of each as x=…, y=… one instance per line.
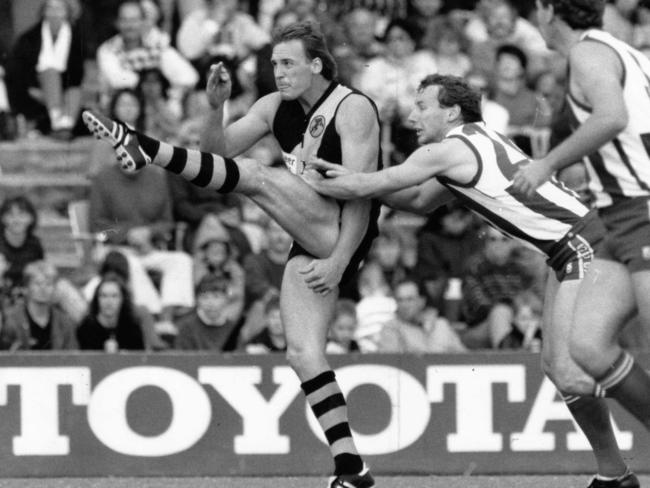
x=310, y=218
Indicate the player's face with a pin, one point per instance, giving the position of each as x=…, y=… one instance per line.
x=292, y=69
x=428, y=118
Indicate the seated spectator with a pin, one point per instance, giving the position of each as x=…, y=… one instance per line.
x=492, y=279
x=210, y=326
x=116, y=263
x=376, y=306
x=263, y=273
x=495, y=116
x=112, y=323
x=271, y=338
x=449, y=45
x=510, y=87
x=161, y=115
x=134, y=210
x=446, y=241
x=341, y=333
x=123, y=56
x=219, y=31
x=18, y=242
x=38, y=323
x=392, y=79
x=213, y=258
x=497, y=22
x=416, y=328
x=358, y=46
x=526, y=331
x=46, y=69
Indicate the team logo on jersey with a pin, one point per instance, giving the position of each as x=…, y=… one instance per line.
x=317, y=126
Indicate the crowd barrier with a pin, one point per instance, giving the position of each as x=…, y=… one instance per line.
x=206, y=414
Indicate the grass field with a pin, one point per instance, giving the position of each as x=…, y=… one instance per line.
x=382, y=482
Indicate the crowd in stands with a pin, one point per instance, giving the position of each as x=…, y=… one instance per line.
x=181, y=267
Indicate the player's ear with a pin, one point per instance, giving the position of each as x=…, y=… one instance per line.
x=316, y=65
x=454, y=113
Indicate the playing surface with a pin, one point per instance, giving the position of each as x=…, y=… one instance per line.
x=382, y=482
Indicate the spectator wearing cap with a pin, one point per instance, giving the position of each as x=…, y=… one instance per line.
x=213, y=258
x=211, y=325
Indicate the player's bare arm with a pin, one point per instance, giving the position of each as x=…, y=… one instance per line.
x=420, y=199
x=358, y=129
x=450, y=157
x=245, y=132
x=596, y=81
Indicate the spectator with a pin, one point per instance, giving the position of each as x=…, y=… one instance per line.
x=220, y=31
x=387, y=251
x=391, y=81
x=449, y=44
x=497, y=23
x=210, y=326
x=358, y=46
x=161, y=116
x=116, y=263
x=492, y=279
x=213, y=258
x=445, y=243
x=416, y=328
x=46, y=69
x=376, y=306
x=263, y=272
x=18, y=242
x=112, y=323
x=496, y=116
x=38, y=323
x=511, y=90
x=271, y=338
x=526, y=332
x=343, y=328
x=123, y=56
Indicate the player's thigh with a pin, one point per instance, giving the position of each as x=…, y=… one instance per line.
x=557, y=319
x=605, y=302
x=306, y=315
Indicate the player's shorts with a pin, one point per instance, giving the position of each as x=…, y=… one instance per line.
x=571, y=256
x=628, y=233
x=360, y=254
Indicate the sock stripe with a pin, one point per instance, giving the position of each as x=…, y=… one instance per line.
x=206, y=171
x=232, y=176
x=330, y=403
x=337, y=432
x=620, y=369
x=178, y=160
x=317, y=382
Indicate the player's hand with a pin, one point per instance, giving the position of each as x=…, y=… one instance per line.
x=531, y=176
x=322, y=275
x=218, y=86
x=327, y=169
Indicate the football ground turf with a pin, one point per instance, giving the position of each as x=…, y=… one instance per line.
x=572, y=481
